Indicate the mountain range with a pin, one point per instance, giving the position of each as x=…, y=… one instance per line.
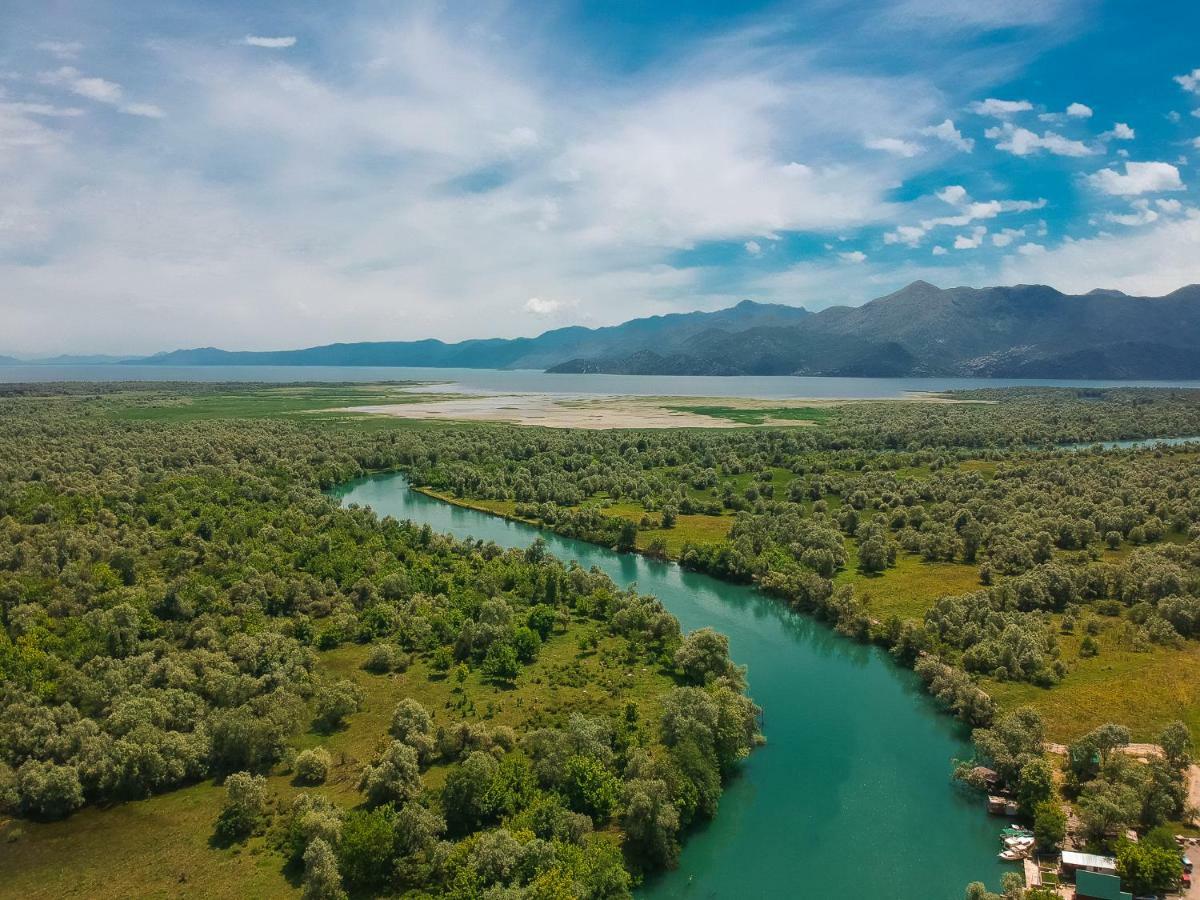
x=1030, y=331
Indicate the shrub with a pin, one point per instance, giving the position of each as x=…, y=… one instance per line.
x=312, y=766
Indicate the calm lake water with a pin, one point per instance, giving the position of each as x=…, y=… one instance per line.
x=850, y=797
x=522, y=380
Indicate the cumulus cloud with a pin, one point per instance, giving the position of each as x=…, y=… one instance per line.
x=894, y=146
x=1138, y=178
x=754, y=248
x=939, y=250
x=948, y=133
x=101, y=90
x=1148, y=261
x=541, y=306
x=271, y=43
x=853, y=256
x=1079, y=111
x=1031, y=249
x=966, y=212
x=1006, y=236
x=1023, y=142
x=1142, y=214
x=1119, y=132
x=999, y=108
x=1189, y=81
x=971, y=241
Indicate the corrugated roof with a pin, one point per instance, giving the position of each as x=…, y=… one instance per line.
x=1088, y=860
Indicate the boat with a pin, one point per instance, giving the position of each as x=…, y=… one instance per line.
x=1012, y=854
x=1018, y=842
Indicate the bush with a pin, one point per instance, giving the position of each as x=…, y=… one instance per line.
x=245, y=809
x=394, y=777
x=312, y=766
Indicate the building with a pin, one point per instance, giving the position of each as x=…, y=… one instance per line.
x=1073, y=862
x=1096, y=886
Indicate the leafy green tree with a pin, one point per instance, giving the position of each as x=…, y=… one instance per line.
x=1049, y=824
x=321, y=878
x=704, y=655
x=1148, y=869
x=501, y=663
x=245, y=809
x=394, y=777
x=312, y=766
x=367, y=847
x=590, y=787
x=1035, y=785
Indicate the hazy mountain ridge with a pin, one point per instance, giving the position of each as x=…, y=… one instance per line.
x=660, y=333
x=1019, y=331
x=1023, y=331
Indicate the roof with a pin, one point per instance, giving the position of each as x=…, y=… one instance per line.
x=1088, y=860
x=1099, y=887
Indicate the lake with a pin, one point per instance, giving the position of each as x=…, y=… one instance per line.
x=851, y=796
x=528, y=380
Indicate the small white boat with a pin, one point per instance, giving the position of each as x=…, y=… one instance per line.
x=1018, y=842
x=1012, y=854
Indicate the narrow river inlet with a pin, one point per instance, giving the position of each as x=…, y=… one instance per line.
x=851, y=795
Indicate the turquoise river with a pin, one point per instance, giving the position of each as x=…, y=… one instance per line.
x=851, y=796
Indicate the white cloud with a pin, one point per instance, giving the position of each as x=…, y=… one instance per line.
x=1139, y=178
x=894, y=146
x=1196, y=143
x=540, y=306
x=967, y=211
x=939, y=250
x=45, y=109
x=271, y=43
x=64, y=50
x=1169, y=206
x=1031, y=249
x=1147, y=261
x=99, y=89
x=853, y=256
x=1142, y=215
x=1190, y=81
x=1079, y=111
x=1120, y=132
x=146, y=110
x=954, y=194
x=1023, y=142
x=999, y=108
x=1006, y=236
x=970, y=241
x=754, y=248
x=951, y=135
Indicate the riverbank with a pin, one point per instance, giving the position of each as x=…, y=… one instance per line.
x=851, y=739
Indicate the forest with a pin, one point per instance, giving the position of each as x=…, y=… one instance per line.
x=381, y=709
x=378, y=708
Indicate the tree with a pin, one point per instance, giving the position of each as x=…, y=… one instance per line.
x=395, y=777
x=651, y=822
x=312, y=766
x=468, y=799
x=704, y=655
x=627, y=536
x=412, y=725
x=1176, y=741
x=47, y=790
x=501, y=663
x=668, y=517
x=321, y=878
x=590, y=787
x=1148, y=869
x=245, y=807
x=335, y=702
x=873, y=555
x=1035, y=785
x=367, y=847
x=1049, y=824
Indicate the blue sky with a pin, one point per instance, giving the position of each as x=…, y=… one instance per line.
x=283, y=174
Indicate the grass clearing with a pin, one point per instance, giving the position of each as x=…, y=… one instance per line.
x=760, y=416
x=911, y=587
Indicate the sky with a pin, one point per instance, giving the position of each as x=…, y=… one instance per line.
x=268, y=175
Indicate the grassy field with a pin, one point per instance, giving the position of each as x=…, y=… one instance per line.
x=317, y=401
x=760, y=416
x=161, y=847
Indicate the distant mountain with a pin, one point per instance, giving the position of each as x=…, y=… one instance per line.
x=10, y=361
x=1024, y=331
x=94, y=359
x=658, y=333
